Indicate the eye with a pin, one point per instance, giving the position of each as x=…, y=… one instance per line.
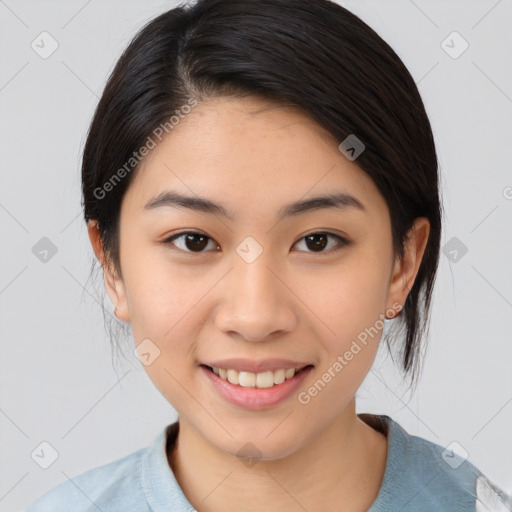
x=190, y=241
x=319, y=240
x=195, y=242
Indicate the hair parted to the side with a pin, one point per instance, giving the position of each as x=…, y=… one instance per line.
x=312, y=54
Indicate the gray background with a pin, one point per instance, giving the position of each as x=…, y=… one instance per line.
x=57, y=381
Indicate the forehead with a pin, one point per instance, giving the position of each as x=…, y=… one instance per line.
x=249, y=152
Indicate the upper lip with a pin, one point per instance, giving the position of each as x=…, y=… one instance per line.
x=248, y=365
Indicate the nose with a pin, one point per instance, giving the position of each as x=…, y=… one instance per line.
x=256, y=301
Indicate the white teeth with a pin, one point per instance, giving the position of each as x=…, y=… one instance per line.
x=265, y=379
x=279, y=376
x=246, y=379
x=289, y=373
x=259, y=380
x=232, y=376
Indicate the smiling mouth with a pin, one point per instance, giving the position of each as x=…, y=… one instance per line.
x=262, y=380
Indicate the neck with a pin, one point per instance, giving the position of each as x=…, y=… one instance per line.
x=342, y=469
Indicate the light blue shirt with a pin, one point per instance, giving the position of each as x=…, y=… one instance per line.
x=420, y=476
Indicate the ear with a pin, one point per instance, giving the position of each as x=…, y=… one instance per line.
x=405, y=270
x=113, y=283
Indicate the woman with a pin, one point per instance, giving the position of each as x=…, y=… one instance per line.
x=260, y=186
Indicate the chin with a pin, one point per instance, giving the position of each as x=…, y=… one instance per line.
x=265, y=444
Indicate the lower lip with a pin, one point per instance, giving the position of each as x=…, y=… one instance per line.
x=256, y=398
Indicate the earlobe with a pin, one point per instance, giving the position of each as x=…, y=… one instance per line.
x=116, y=291
x=114, y=285
x=406, y=269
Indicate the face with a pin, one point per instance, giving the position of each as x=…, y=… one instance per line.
x=255, y=285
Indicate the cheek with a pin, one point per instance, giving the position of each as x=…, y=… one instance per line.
x=166, y=308
x=159, y=293
x=347, y=299
x=351, y=302
x=352, y=307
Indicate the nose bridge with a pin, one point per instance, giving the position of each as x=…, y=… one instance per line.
x=255, y=303
x=252, y=263
x=254, y=280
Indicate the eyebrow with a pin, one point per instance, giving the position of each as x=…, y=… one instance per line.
x=171, y=199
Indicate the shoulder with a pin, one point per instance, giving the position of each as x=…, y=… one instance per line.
x=422, y=476
x=117, y=483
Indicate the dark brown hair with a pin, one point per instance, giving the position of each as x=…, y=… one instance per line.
x=313, y=54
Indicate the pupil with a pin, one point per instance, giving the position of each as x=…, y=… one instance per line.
x=316, y=244
x=193, y=246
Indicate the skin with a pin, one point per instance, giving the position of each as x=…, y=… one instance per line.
x=291, y=302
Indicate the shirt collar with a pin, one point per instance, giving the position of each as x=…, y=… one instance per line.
x=162, y=490
x=160, y=486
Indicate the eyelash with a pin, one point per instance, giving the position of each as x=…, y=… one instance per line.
x=342, y=242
